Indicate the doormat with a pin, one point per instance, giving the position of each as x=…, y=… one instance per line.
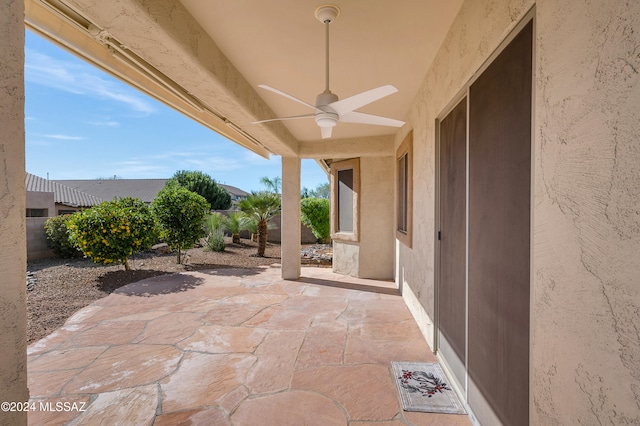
x=424, y=387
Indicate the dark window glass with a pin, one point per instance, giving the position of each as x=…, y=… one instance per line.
x=345, y=200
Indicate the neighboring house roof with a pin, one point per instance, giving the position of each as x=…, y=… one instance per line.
x=108, y=189
x=237, y=192
x=144, y=189
x=62, y=194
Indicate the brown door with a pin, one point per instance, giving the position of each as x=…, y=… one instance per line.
x=499, y=231
x=452, y=292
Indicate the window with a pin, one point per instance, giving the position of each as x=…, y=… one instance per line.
x=345, y=200
x=345, y=188
x=404, y=210
x=37, y=212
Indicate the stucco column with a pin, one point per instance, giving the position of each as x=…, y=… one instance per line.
x=290, y=218
x=13, y=241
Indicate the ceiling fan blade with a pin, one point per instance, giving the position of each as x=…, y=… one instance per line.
x=326, y=132
x=286, y=95
x=362, y=118
x=354, y=102
x=295, y=117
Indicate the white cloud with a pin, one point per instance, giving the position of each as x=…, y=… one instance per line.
x=104, y=123
x=135, y=168
x=80, y=79
x=215, y=164
x=64, y=137
x=252, y=158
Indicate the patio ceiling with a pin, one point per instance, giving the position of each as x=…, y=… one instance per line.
x=373, y=43
x=207, y=57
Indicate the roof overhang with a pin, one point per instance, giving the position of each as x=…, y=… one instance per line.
x=70, y=30
x=206, y=59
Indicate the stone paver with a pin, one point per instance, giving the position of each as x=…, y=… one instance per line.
x=361, y=389
x=232, y=347
x=289, y=409
x=204, y=379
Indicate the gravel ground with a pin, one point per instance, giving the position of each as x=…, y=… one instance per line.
x=64, y=286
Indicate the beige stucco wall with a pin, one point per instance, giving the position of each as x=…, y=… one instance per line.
x=372, y=255
x=586, y=308
x=377, y=206
x=586, y=223
x=13, y=253
x=346, y=257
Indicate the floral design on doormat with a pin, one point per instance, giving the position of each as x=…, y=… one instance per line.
x=418, y=382
x=425, y=383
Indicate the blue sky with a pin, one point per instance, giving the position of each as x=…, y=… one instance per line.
x=82, y=123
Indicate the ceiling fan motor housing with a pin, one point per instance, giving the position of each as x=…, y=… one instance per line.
x=326, y=117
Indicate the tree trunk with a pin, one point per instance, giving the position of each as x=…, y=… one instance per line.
x=179, y=257
x=236, y=238
x=126, y=264
x=262, y=237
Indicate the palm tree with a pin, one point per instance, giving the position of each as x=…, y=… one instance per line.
x=261, y=206
x=273, y=184
x=235, y=223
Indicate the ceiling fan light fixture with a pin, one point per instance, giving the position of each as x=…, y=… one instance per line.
x=326, y=119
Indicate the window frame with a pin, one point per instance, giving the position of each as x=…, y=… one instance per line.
x=40, y=212
x=405, y=150
x=336, y=234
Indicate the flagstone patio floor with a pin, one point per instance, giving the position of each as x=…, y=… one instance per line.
x=232, y=347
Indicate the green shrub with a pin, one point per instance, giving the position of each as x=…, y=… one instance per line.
x=180, y=214
x=215, y=223
x=215, y=241
x=113, y=230
x=314, y=212
x=58, y=237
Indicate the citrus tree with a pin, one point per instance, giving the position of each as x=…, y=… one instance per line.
x=314, y=212
x=261, y=206
x=180, y=214
x=113, y=230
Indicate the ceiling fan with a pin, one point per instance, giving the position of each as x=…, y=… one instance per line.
x=328, y=108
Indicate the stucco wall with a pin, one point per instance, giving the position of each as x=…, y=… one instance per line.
x=13, y=253
x=586, y=222
x=377, y=206
x=586, y=292
x=371, y=256
x=346, y=258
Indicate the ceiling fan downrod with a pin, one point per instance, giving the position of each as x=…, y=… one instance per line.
x=326, y=14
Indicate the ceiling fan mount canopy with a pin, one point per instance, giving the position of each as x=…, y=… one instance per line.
x=328, y=108
x=327, y=13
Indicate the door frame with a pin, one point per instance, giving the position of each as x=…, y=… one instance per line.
x=463, y=392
